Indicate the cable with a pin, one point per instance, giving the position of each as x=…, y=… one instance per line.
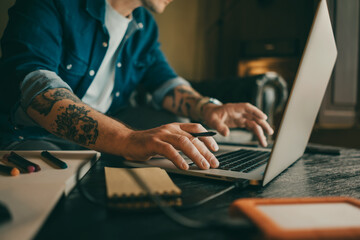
x=82, y=191
x=238, y=225
x=239, y=184
x=205, y=200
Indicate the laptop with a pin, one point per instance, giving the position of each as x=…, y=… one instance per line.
x=263, y=165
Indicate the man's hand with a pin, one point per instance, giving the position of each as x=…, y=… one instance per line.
x=166, y=140
x=231, y=115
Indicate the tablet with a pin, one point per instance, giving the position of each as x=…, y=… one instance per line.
x=302, y=218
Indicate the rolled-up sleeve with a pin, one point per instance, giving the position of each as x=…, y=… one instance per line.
x=34, y=84
x=38, y=82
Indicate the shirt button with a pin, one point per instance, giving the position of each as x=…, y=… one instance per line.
x=117, y=94
x=105, y=44
x=118, y=64
x=92, y=73
x=69, y=66
x=21, y=137
x=140, y=25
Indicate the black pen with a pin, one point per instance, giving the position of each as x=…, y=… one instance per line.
x=54, y=159
x=203, y=134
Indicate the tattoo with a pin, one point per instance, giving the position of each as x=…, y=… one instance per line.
x=75, y=124
x=172, y=95
x=44, y=102
x=188, y=108
x=179, y=110
x=183, y=99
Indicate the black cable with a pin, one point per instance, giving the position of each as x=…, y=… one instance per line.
x=83, y=192
x=239, y=224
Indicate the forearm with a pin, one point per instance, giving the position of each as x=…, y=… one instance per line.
x=63, y=114
x=183, y=100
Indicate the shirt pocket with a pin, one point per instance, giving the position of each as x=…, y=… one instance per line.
x=72, y=69
x=71, y=65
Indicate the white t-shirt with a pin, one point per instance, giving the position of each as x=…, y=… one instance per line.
x=99, y=94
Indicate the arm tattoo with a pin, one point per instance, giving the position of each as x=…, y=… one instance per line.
x=172, y=95
x=179, y=110
x=75, y=124
x=183, y=100
x=44, y=102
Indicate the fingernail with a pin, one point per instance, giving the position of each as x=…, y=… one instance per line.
x=184, y=166
x=205, y=164
x=214, y=163
x=215, y=147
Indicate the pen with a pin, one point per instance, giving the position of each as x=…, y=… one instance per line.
x=54, y=159
x=9, y=170
x=20, y=164
x=203, y=134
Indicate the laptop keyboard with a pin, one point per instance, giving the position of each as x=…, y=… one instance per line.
x=243, y=160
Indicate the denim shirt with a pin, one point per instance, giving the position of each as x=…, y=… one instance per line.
x=61, y=44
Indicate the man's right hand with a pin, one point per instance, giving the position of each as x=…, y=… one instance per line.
x=166, y=140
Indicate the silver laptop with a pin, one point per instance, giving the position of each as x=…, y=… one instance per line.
x=308, y=89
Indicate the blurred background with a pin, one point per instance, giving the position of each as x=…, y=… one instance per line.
x=215, y=43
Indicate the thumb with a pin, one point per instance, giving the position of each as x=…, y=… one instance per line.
x=222, y=128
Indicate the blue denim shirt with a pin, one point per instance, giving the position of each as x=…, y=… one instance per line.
x=61, y=43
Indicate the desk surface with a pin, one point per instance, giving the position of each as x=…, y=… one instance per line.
x=312, y=175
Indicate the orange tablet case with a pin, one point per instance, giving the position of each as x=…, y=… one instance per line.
x=248, y=208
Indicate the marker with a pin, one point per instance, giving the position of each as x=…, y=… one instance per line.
x=203, y=134
x=20, y=164
x=54, y=159
x=22, y=159
x=25, y=161
x=9, y=170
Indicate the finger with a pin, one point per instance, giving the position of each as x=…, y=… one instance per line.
x=184, y=144
x=172, y=154
x=208, y=141
x=222, y=128
x=265, y=126
x=251, y=109
x=258, y=131
x=214, y=163
x=262, y=122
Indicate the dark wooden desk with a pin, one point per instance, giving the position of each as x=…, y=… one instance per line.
x=313, y=175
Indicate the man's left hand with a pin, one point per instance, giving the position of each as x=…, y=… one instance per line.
x=233, y=115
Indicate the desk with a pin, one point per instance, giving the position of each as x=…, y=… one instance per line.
x=313, y=175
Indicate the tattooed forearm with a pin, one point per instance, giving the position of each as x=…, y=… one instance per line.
x=75, y=124
x=44, y=102
x=182, y=100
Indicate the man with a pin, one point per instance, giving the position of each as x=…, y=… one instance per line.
x=69, y=65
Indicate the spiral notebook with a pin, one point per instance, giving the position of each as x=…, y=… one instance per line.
x=123, y=190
